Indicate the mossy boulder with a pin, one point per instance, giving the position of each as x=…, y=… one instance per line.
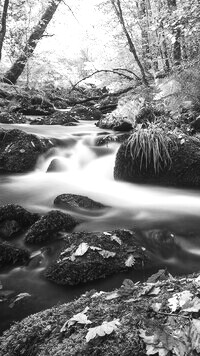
x=74, y=202
x=182, y=169
x=19, y=151
x=10, y=255
x=104, y=254
x=82, y=112
x=15, y=219
x=145, y=322
x=48, y=227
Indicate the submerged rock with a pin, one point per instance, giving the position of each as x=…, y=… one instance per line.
x=19, y=151
x=182, y=168
x=89, y=256
x=14, y=219
x=48, y=227
x=10, y=255
x=74, y=201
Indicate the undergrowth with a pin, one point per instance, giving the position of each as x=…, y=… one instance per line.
x=152, y=145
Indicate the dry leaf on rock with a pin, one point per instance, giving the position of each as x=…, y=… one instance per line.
x=116, y=238
x=195, y=334
x=154, y=291
x=179, y=299
x=130, y=261
x=192, y=306
x=104, y=329
x=153, y=346
x=156, y=306
x=107, y=254
x=79, y=318
x=82, y=249
x=113, y=295
x=95, y=248
x=97, y=294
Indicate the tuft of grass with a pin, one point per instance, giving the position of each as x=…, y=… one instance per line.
x=151, y=147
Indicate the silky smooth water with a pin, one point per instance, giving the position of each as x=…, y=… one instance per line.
x=86, y=169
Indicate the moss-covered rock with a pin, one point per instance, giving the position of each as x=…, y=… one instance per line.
x=10, y=255
x=106, y=253
x=48, y=227
x=82, y=112
x=74, y=202
x=14, y=219
x=183, y=168
x=19, y=151
x=145, y=321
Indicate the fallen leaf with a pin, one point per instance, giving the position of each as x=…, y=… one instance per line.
x=156, y=306
x=79, y=318
x=130, y=261
x=179, y=299
x=82, y=249
x=107, y=254
x=113, y=295
x=94, y=248
x=195, y=334
x=153, y=346
x=104, y=329
x=192, y=306
x=19, y=297
x=154, y=291
x=97, y=294
x=116, y=238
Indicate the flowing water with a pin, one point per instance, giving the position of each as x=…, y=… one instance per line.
x=86, y=169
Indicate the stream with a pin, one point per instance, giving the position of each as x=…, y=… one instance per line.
x=86, y=169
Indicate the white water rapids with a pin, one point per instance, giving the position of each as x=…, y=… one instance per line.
x=86, y=169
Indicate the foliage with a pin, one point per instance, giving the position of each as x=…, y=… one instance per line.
x=106, y=328
x=151, y=146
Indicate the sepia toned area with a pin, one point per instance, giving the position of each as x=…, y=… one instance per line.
x=99, y=177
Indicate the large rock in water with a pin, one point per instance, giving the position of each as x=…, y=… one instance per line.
x=73, y=202
x=182, y=169
x=89, y=256
x=14, y=219
x=19, y=151
x=48, y=227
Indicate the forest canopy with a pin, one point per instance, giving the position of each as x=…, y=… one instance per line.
x=139, y=38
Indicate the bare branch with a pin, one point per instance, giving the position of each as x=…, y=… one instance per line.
x=103, y=71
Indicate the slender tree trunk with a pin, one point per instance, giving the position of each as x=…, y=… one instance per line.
x=143, y=16
x=177, y=32
x=17, y=68
x=119, y=13
x=3, y=25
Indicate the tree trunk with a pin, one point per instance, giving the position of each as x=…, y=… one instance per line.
x=143, y=16
x=119, y=13
x=3, y=25
x=177, y=32
x=17, y=68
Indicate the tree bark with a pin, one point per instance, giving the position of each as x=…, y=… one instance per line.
x=3, y=25
x=119, y=13
x=17, y=68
